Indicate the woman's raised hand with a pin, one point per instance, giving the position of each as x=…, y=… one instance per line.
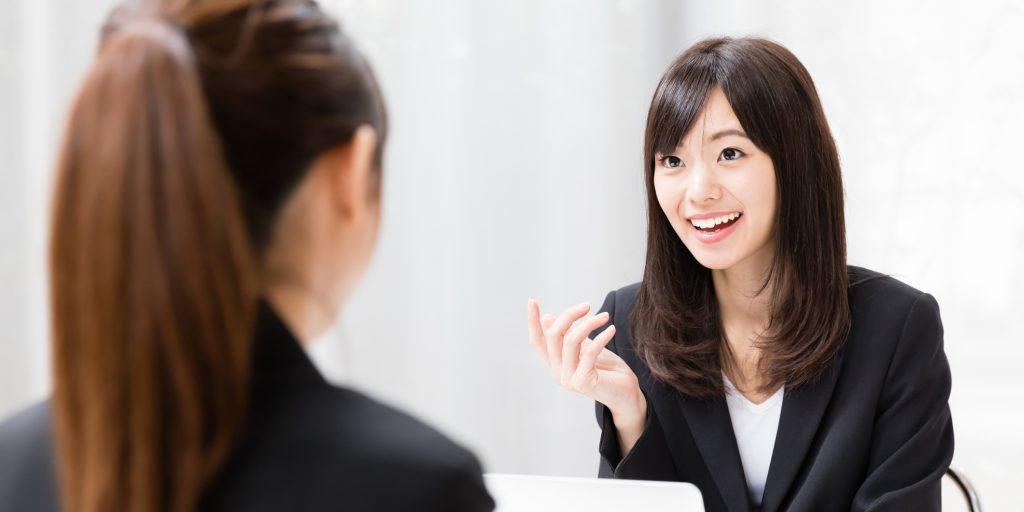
x=584, y=365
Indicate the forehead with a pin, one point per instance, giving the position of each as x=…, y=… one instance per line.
x=716, y=116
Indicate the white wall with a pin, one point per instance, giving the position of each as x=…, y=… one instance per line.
x=45, y=47
x=514, y=171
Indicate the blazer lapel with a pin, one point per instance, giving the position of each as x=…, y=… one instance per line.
x=712, y=430
x=802, y=410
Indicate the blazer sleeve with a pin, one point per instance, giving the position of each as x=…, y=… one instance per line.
x=912, y=442
x=649, y=459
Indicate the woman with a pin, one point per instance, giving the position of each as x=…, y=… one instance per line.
x=752, y=361
x=217, y=198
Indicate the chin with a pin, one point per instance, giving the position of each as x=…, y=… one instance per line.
x=714, y=262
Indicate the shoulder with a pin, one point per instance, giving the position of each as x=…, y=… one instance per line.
x=890, y=318
x=27, y=476
x=621, y=301
x=399, y=447
x=870, y=287
x=24, y=425
x=391, y=437
x=336, y=443
x=886, y=301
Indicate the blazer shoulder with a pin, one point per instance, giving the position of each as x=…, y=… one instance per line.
x=881, y=293
x=623, y=299
x=25, y=437
x=433, y=468
x=396, y=438
x=339, y=444
x=27, y=477
x=888, y=316
x=29, y=424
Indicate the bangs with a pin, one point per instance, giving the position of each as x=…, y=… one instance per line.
x=679, y=99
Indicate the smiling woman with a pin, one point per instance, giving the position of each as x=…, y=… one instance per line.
x=754, y=362
x=746, y=134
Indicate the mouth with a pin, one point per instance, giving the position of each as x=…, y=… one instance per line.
x=716, y=224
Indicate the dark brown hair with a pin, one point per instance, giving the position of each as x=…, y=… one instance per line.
x=675, y=324
x=189, y=132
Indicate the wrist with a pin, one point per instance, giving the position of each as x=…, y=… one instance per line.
x=630, y=422
x=632, y=414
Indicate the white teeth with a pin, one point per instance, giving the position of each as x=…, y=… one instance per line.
x=710, y=223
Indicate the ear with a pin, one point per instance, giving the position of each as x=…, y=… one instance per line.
x=349, y=170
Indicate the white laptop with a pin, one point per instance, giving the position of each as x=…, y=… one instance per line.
x=524, y=493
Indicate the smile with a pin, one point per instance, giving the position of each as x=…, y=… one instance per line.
x=715, y=224
x=709, y=231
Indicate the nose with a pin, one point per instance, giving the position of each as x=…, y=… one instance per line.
x=704, y=186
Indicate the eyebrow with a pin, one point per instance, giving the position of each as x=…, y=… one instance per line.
x=726, y=133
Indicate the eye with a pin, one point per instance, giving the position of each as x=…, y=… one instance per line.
x=731, y=154
x=671, y=161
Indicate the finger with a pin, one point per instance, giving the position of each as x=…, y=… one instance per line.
x=573, y=339
x=564, y=321
x=547, y=320
x=535, y=328
x=556, y=331
x=592, y=349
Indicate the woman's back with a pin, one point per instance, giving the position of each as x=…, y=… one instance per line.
x=216, y=201
x=308, y=445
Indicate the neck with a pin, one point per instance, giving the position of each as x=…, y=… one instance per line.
x=305, y=313
x=744, y=315
x=739, y=301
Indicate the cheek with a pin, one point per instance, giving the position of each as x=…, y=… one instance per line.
x=762, y=198
x=667, y=192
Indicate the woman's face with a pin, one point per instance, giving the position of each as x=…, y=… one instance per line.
x=718, y=190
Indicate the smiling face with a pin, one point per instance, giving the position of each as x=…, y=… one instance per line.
x=718, y=190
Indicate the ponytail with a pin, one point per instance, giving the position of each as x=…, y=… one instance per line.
x=153, y=283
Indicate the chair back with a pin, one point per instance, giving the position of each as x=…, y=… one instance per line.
x=963, y=485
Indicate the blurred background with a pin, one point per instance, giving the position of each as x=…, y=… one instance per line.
x=514, y=171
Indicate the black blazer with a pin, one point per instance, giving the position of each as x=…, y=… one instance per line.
x=874, y=434
x=308, y=446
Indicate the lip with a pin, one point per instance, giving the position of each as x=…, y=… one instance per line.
x=710, y=238
x=702, y=216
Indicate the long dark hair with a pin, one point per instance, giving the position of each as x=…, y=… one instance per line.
x=192, y=127
x=676, y=326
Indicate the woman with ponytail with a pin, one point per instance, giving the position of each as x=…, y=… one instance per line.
x=217, y=198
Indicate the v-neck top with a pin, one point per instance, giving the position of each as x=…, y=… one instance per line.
x=755, y=427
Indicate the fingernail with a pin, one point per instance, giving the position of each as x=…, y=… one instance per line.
x=603, y=314
x=584, y=305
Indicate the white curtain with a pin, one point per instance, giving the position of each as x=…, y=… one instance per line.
x=514, y=171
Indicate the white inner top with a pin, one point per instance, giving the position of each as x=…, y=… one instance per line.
x=755, y=426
